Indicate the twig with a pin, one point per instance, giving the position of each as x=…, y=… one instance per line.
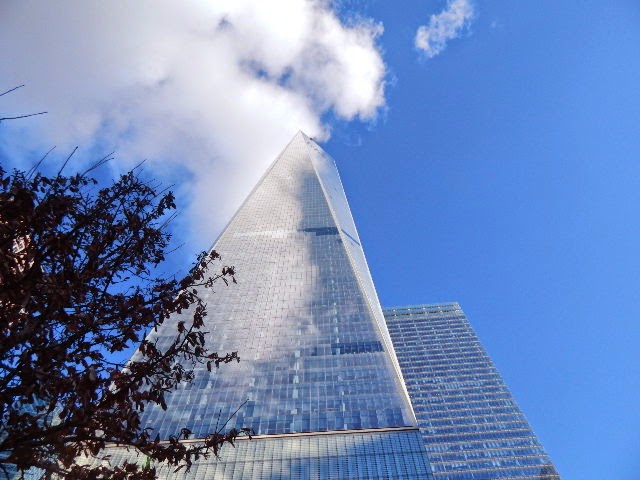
x=11, y=90
x=22, y=116
x=35, y=168
x=107, y=158
x=232, y=415
x=64, y=164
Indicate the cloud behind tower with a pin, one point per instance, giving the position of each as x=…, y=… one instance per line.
x=212, y=90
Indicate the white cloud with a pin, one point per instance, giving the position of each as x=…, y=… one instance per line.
x=444, y=26
x=212, y=89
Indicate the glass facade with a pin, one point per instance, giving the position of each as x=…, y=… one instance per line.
x=318, y=381
x=397, y=454
x=315, y=352
x=471, y=426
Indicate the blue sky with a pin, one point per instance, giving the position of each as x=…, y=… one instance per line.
x=506, y=176
x=501, y=172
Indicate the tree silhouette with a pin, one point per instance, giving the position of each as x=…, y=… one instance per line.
x=79, y=283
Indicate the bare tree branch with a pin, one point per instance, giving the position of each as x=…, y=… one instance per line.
x=22, y=116
x=11, y=90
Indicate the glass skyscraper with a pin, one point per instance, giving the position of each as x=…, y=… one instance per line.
x=318, y=381
x=471, y=426
x=315, y=351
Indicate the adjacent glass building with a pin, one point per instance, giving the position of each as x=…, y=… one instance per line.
x=319, y=381
x=470, y=423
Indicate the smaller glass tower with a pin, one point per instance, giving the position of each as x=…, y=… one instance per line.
x=471, y=426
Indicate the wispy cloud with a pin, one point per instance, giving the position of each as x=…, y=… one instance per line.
x=448, y=24
x=210, y=89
